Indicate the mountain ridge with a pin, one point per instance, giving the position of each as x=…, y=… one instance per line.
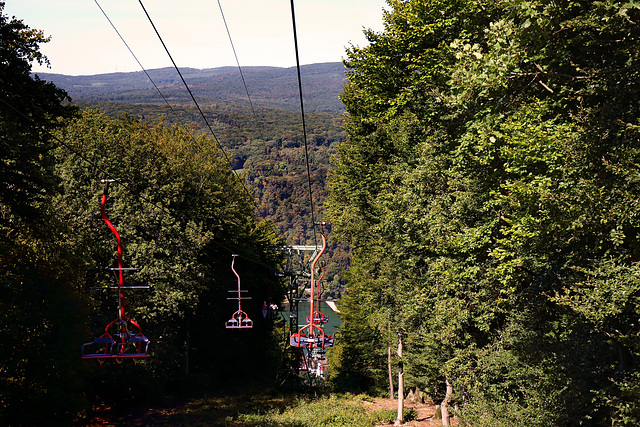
x=269, y=86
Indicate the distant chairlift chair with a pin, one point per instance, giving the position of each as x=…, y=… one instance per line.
x=239, y=319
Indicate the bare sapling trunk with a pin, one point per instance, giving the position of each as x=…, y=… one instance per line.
x=389, y=365
x=444, y=410
x=185, y=355
x=400, y=416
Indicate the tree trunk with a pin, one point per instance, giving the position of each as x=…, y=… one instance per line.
x=389, y=365
x=185, y=354
x=444, y=410
x=400, y=417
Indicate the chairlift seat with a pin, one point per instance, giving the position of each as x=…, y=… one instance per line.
x=318, y=318
x=328, y=341
x=323, y=341
x=239, y=320
x=298, y=340
x=103, y=340
x=138, y=338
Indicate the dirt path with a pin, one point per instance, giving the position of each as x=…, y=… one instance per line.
x=426, y=412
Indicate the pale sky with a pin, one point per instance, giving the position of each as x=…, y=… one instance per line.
x=83, y=42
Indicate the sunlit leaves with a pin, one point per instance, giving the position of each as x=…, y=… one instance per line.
x=496, y=166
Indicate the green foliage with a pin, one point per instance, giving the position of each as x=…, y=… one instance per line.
x=388, y=416
x=29, y=110
x=270, y=154
x=327, y=411
x=181, y=213
x=40, y=312
x=487, y=187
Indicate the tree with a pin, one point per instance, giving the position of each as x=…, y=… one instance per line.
x=490, y=163
x=30, y=109
x=39, y=310
x=181, y=213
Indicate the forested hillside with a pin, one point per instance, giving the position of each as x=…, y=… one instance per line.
x=263, y=139
x=489, y=189
x=267, y=149
x=268, y=86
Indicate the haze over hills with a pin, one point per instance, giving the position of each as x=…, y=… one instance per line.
x=267, y=86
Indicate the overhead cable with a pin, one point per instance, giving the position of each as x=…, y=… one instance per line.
x=255, y=116
x=193, y=98
x=304, y=126
x=141, y=66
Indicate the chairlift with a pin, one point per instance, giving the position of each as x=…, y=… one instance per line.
x=122, y=337
x=239, y=319
x=311, y=335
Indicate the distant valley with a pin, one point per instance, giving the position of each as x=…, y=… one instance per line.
x=267, y=86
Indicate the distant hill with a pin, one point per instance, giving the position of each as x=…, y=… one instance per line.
x=267, y=86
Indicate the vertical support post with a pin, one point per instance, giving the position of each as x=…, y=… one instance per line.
x=389, y=363
x=400, y=416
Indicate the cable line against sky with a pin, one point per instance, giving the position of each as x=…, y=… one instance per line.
x=167, y=102
x=193, y=98
x=303, y=118
x=304, y=125
x=142, y=67
x=244, y=83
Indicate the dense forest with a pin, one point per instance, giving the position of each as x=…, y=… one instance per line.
x=262, y=134
x=488, y=190
x=181, y=212
x=265, y=146
x=482, y=181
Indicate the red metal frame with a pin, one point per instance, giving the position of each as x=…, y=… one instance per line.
x=312, y=335
x=239, y=319
x=318, y=317
x=128, y=345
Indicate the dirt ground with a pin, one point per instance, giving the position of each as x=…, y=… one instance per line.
x=426, y=412
x=212, y=413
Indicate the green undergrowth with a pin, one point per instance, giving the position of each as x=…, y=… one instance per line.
x=330, y=410
x=261, y=409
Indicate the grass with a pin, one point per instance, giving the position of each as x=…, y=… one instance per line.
x=332, y=411
x=262, y=409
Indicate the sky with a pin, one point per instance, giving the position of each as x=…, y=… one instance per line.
x=83, y=42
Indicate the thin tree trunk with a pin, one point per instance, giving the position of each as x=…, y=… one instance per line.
x=400, y=417
x=389, y=365
x=185, y=354
x=444, y=410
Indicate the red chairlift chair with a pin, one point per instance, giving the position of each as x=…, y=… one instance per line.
x=122, y=342
x=239, y=319
x=311, y=335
